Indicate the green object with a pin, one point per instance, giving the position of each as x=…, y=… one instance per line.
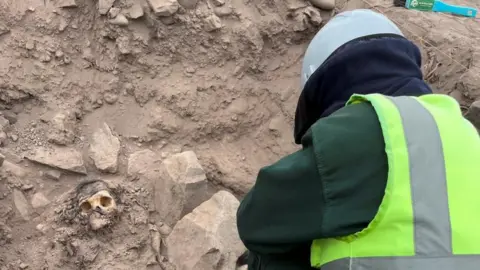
x=318, y=179
x=426, y=219
x=422, y=5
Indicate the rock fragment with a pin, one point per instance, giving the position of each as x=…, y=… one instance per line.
x=323, y=4
x=10, y=116
x=218, y=2
x=62, y=132
x=4, y=123
x=142, y=164
x=104, y=6
x=2, y=159
x=4, y=29
x=39, y=200
x=207, y=238
x=168, y=195
x=473, y=114
x=13, y=169
x=119, y=20
x=59, y=157
x=104, y=149
x=3, y=138
x=185, y=169
x=188, y=4
x=164, y=8
x=53, y=175
x=212, y=23
x=135, y=11
x=66, y=3
x=21, y=204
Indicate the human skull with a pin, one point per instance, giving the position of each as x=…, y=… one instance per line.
x=96, y=203
x=101, y=202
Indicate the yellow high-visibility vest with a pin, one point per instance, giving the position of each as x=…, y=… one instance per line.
x=429, y=218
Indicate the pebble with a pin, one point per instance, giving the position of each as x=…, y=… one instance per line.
x=14, y=137
x=473, y=114
x=323, y=4
x=113, y=12
x=66, y=3
x=212, y=23
x=110, y=98
x=120, y=20
x=164, y=8
x=218, y=2
x=30, y=45
x=53, y=175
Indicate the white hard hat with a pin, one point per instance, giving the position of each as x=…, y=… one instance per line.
x=341, y=29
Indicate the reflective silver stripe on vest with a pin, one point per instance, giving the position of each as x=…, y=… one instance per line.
x=457, y=262
x=432, y=229
x=433, y=236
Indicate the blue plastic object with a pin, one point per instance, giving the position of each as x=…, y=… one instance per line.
x=440, y=6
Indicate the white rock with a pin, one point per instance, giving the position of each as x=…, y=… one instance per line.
x=323, y=4
x=207, y=238
x=64, y=158
x=218, y=2
x=164, y=8
x=39, y=200
x=188, y=4
x=185, y=169
x=104, y=149
x=66, y=3
x=104, y=6
x=135, y=11
x=120, y=20
x=212, y=23
x=21, y=204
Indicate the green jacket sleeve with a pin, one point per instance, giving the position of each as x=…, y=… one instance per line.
x=283, y=210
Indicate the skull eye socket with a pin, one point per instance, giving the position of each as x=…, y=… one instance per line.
x=105, y=201
x=85, y=206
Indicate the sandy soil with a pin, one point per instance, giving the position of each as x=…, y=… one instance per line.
x=220, y=79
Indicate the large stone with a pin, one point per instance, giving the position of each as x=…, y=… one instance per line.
x=473, y=114
x=21, y=204
x=185, y=169
x=164, y=8
x=168, y=195
x=2, y=159
x=207, y=238
x=59, y=157
x=135, y=11
x=143, y=164
x=104, y=149
x=104, y=6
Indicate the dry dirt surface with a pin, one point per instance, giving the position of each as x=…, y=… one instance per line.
x=129, y=129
